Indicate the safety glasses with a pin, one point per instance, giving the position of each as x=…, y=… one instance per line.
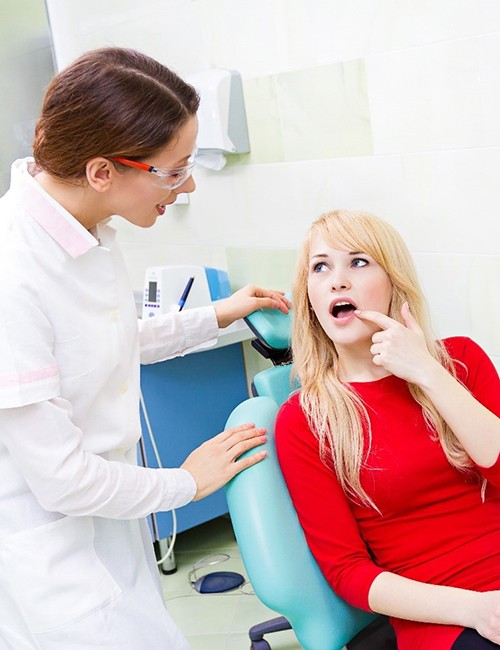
x=167, y=179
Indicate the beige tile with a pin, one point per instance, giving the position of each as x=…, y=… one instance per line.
x=278, y=641
x=250, y=612
x=215, y=536
x=324, y=112
x=216, y=621
x=267, y=267
x=218, y=642
x=211, y=536
x=177, y=584
x=263, y=117
x=203, y=614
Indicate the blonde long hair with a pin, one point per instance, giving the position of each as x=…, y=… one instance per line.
x=335, y=413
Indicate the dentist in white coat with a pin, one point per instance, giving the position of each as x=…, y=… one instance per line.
x=115, y=137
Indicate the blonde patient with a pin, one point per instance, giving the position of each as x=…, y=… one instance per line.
x=390, y=448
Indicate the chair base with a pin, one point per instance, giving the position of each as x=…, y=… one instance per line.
x=256, y=633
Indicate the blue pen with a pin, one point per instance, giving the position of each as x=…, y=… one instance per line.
x=185, y=293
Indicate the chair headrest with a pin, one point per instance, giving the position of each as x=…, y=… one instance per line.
x=273, y=331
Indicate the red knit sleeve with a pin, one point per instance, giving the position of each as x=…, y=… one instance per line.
x=323, y=510
x=478, y=373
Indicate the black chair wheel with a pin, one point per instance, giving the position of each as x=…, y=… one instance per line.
x=260, y=645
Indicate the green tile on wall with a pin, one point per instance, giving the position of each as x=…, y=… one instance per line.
x=267, y=267
x=264, y=127
x=308, y=114
x=324, y=112
x=23, y=26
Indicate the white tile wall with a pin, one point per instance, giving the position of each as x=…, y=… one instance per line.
x=435, y=97
x=453, y=199
x=433, y=77
x=463, y=296
x=140, y=256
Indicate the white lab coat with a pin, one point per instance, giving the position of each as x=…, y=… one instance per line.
x=77, y=569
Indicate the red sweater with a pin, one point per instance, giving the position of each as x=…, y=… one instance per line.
x=433, y=528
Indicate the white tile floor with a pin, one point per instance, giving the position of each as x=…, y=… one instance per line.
x=216, y=621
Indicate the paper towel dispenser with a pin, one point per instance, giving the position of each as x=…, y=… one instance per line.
x=221, y=115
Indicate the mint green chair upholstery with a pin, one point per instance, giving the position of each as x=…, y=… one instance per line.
x=280, y=566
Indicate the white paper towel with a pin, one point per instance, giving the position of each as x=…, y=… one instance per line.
x=211, y=159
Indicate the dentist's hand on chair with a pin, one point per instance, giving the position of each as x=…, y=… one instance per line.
x=247, y=300
x=216, y=461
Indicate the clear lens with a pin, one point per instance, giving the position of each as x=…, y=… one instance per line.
x=167, y=179
x=173, y=178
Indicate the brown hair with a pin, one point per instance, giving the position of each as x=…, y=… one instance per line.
x=109, y=102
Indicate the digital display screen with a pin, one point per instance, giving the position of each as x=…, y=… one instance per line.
x=152, y=291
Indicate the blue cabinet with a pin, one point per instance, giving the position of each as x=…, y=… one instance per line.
x=188, y=400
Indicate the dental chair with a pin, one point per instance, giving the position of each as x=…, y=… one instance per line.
x=278, y=561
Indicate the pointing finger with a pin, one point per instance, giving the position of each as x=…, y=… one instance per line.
x=376, y=317
x=408, y=318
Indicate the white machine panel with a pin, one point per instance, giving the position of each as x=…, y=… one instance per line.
x=165, y=285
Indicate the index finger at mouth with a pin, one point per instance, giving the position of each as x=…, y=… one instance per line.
x=376, y=317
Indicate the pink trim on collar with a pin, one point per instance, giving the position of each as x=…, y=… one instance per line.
x=56, y=221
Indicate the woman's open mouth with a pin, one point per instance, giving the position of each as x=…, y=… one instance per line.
x=343, y=311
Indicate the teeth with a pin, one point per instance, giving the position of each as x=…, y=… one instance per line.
x=338, y=307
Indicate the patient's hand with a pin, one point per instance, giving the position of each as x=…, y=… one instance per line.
x=487, y=615
x=217, y=461
x=247, y=300
x=398, y=347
